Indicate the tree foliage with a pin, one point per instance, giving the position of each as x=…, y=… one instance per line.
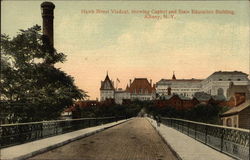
x=208, y=113
x=32, y=88
x=108, y=110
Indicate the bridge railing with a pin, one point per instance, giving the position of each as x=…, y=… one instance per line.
x=13, y=134
x=232, y=141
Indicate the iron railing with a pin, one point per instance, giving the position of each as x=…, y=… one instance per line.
x=13, y=134
x=231, y=141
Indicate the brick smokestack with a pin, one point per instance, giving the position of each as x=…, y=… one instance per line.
x=48, y=16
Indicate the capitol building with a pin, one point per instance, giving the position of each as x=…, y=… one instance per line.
x=217, y=84
x=138, y=89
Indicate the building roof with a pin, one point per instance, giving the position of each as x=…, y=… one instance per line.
x=184, y=97
x=202, y=96
x=167, y=97
x=162, y=81
x=237, y=109
x=181, y=80
x=184, y=83
x=219, y=97
x=107, y=84
x=229, y=72
x=141, y=85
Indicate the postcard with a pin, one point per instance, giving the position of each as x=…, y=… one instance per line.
x=156, y=73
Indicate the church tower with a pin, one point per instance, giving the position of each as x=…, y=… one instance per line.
x=107, y=89
x=173, y=78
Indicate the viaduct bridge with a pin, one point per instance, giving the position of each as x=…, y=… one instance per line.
x=110, y=138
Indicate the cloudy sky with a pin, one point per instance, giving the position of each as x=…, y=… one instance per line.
x=129, y=45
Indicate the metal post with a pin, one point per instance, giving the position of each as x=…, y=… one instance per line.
x=249, y=145
x=41, y=130
x=182, y=126
x=55, y=128
x=194, y=131
x=206, y=135
x=221, y=142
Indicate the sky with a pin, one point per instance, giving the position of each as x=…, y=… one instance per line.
x=129, y=46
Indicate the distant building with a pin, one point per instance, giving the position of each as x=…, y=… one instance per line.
x=237, y=116
x=236, y=95
x=121, y=95
x=107, y=89
x=141, y=89
x=183, y=87
x=108, y=92
x=176, y=101
x=217, y=84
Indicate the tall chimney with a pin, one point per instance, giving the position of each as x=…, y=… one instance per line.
x=48, y=16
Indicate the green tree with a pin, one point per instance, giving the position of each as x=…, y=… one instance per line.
x=32, y=88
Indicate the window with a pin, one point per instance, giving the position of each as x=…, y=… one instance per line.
x=220, y=92
x=238, y=79
x=229, y=122
x=229, y=79
x=220, y=79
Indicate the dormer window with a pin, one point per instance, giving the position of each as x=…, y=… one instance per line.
x=220, y=79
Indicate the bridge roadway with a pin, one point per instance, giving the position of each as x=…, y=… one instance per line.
x=133, y=140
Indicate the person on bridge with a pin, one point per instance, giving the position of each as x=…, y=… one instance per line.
x=158, y=120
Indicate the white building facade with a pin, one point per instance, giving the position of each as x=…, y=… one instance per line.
x=216, y=84
x=219, y=82
x=184, y=87
x=120, y=95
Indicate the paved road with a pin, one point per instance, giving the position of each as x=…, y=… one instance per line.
x=133, y=140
